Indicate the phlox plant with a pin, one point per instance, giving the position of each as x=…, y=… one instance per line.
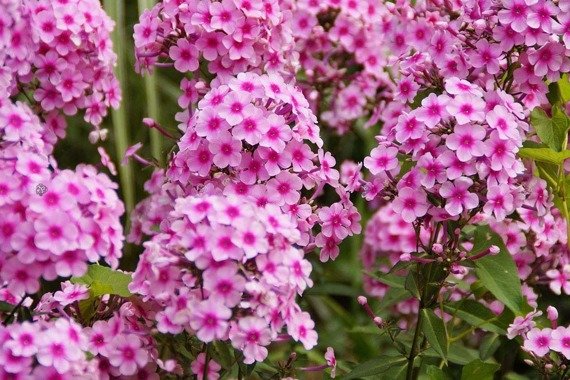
x=450, y=234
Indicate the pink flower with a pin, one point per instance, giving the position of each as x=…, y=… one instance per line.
x=209, y=319
x=301, y=328
x=226, y=150
x=224, y=284
x=24, y=339
x=406, y=89
x=285, y=188
x=538, y=341
x=225, y=16
x=408, y=127
x=71, y=293
x=56, y=232
x=466, y=141
x=432, y=110
x=560, y=341
x=486, y=56
x=199, y=368
x=127, y=354
x=382, y=159
x=334, y=221
x=499, y=201
x=548, y=58
x=233, y=108
x=331, y=361
x=457, y=197
x=251, y=335
x=433, y=170
x=503, y=122
x=410, y=204
x=466, y=108
x=55, y=349
x=515, y=14
x=185, y=56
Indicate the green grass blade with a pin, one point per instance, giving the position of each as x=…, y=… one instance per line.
x=116, y=10
x=152, y=100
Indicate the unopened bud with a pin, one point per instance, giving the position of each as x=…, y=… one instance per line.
x=437, y=248
x=494, y=250
x=552, y=313
x=362, y=300
x=378, y=321
x=405, y=257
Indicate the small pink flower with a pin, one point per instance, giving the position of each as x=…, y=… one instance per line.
x=301, y=328
x=251, y=335
x=185, y=56
x=466, y=141
x=410, y=204
x=127, y=354
x=226, y=150
x=382, y=159
x=457, y=196
x=538, y=341
x=560, y=341
x=198, y=367
x=209, y=319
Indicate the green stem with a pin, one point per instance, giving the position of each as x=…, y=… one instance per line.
x=116, y=10
x=414, y=349
x=152, y=99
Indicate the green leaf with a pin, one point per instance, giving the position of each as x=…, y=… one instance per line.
x=498, y=272
x=489, y=346
x=564, y=87
x=551, y=131
x=375, y=367
x=103, y=280
x=435, y=373
x=390, y=279
x=411, y=285
x=476, y=315
x=435, y=332
x=457, y=353
x=479, y=370
x=546, y=155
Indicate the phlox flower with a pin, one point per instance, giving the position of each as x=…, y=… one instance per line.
x=410, y=204
x=185, y=56
x=538, y=341
x=209, y=319
x=251, y=335
x=301, y=328
x=382, y=159
x=198, y=367
x=499, y=201
x=466, y=141
x=560, y=341
x=127, y=354
x=457, y=196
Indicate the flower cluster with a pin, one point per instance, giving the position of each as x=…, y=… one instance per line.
x=234, y=222
x=448, y=150
x=223, y=38
x=59, y=55
x=342, y=56
x=53, y=221
x=56, y=344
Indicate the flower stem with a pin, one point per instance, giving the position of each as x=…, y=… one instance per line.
x=415, y=345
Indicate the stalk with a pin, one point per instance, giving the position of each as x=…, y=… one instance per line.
x=116, y=10
x=152, y=100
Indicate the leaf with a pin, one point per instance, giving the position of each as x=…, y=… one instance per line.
x=337, y=289
x=435, y=373
x=479, y=370
x=103, y=280
x=457, y=354
x=375, y=366
x=489, y=345
x=411, y=285
x=390, y=279
x=551, y=131
x=498, y=272
x=564, y=87
x=476, y=315
x=434, y=330
x=546, y=155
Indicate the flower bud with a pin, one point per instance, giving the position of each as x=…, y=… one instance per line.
x=405, y=257
x=362, y=300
